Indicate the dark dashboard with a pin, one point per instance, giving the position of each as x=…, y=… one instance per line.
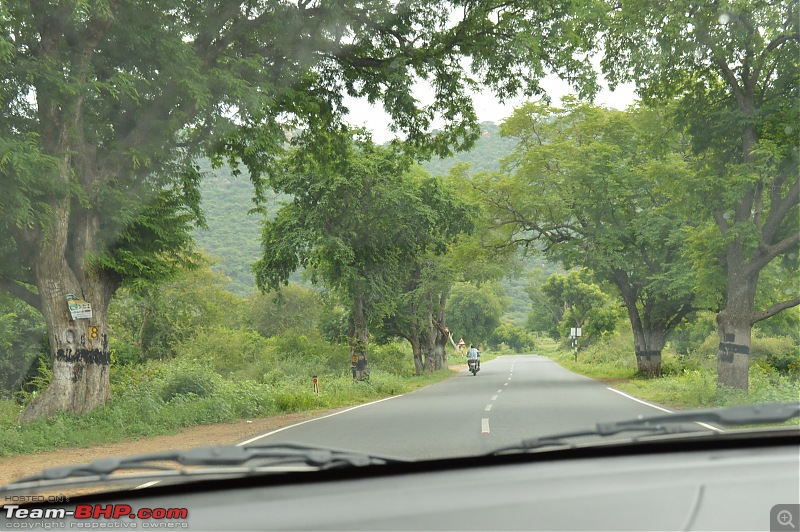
x=740, y=482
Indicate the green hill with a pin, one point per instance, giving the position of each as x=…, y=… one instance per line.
x=233, y=235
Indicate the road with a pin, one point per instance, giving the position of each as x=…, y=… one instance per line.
x=511, y=398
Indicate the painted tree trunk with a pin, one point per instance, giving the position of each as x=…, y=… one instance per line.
x=648, y=343
x=734, y=331
x=78, y=347
x=358, y=336
x=648, y=338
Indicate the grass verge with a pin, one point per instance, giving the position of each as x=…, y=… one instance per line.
x=687, y=381
x=170, y=399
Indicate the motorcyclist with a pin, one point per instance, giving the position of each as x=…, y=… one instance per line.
x=474, y=354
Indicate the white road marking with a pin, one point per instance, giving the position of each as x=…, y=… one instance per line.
x=709, y=427
x=704, y=425
x=494, y=398
x=632, y=398
x=505, y=384
x=485, y=425
x=488, y=407
x=251, y=440
x=500, y=390
x=147, y=484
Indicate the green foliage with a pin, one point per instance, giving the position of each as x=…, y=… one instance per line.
x=584, y=305
x=151, y=320
x=517, y=338
x=730, y=74
x=687, y=381
x=236, y=353
x=291, y=307
x=473, y=312
x=160, y=397
x=690, y=334
x=394, y=358
x=188, y=379
x=22, y=338
x=98, y=145
x=485, y=155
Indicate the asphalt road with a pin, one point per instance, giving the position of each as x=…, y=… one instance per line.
x=511, y=398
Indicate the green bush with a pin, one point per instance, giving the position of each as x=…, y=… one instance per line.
x=239, y=352
x=392, y=358
x=779, y=353
x=185, y=379
x=689, y=335
x=517, y=338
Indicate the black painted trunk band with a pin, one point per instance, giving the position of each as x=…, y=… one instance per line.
x=90, y=356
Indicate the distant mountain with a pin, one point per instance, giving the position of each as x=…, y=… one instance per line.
x=489, y=149
x=234, y=236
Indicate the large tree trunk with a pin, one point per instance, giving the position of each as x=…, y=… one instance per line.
x=734, y=330
x=78, y=347
x=416, y=348
x=648, y=338
x=358, y=335
x=648, y=343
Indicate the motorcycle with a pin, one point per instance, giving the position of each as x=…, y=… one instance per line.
x=473, y=366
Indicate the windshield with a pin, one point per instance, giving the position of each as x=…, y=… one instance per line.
x=413, y=230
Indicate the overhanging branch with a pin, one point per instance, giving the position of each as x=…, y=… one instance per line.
x=19, y=291
x=774, y=309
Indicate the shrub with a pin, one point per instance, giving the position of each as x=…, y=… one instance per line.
x=184, y=379
x=243, y=353
x=517, y=338
x=394, y=358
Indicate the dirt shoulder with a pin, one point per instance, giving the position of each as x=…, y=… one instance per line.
x=14, y=467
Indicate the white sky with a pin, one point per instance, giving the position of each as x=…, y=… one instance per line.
x=487, y=106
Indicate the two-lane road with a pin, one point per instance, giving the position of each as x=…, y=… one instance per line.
x=511, y=398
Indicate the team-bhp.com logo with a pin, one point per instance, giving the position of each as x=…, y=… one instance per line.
x=19, y=517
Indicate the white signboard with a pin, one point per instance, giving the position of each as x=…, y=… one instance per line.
x=78, y=308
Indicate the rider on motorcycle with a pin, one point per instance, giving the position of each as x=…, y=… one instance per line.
x=474, y=354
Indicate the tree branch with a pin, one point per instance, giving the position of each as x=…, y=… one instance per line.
x=774, y=309
x=20, y=292
x=766, y=254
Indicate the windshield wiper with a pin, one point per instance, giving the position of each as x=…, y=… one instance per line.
x=223, y=455
x=679, y=422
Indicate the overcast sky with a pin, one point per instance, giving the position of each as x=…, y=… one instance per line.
x=488, y=108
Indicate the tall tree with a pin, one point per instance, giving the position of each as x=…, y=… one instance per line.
x=735, y=67
x=105, y=105
x=584, y=305
x=587, y=183
x=357, y=219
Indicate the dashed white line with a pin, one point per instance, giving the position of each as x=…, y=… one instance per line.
x=500, y=390
x=505, y=384
x=488, y=407
x=485, y=425
x=494, y=398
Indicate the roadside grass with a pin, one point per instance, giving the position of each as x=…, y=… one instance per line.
x=159, y=397
x=687, y=381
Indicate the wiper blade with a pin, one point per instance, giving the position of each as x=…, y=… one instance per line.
x=679, y=422
x=224, y=455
